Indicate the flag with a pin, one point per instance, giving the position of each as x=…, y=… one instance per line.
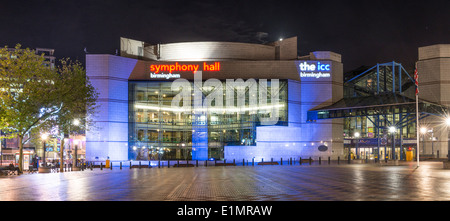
x=416, y=79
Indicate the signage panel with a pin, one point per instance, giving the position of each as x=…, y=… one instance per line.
x=169, y=71
x=314, y=69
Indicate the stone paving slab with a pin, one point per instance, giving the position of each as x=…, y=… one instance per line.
x=355, y=182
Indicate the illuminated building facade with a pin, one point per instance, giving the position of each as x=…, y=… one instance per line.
x=250, y=83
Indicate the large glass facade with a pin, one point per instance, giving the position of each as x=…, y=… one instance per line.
x=156, y=131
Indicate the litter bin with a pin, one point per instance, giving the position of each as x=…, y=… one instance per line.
x=107, y=163
x=409, y=155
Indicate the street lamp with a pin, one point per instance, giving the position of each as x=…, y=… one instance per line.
x=392, y=130
x=76, y=122
x=357, y=144
x=447, y=122
x=423, y=131
x=44, y=137
x=76, y=142
x=432, y=143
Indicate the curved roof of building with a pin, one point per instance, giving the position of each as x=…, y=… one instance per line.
x=210, y=50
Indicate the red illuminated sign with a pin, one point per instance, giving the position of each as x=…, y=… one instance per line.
x=156, y=68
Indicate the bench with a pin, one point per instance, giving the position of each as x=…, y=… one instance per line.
x=307, y=160
x=9, y=170
x=31, y=169
x=4, y=171
x=225, y=164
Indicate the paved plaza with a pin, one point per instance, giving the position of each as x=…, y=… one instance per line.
x=355, y=182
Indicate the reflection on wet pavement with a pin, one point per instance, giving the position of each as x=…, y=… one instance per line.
x=366, y=182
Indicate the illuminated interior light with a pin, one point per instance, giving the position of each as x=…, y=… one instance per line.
x=392, y=129
x=212, y=109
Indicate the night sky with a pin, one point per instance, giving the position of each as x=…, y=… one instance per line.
x=363, y=32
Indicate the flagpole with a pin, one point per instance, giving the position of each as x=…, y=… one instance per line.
x=417, y=127
x=416, y=79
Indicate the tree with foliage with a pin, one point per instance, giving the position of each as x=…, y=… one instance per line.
x=28, y=94
x=36, y=98
x=78, y=102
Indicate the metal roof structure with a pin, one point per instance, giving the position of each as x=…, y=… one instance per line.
x=378, y=91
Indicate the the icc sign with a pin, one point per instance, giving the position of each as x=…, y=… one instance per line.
x=314, y=69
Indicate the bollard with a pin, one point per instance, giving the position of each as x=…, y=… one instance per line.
x=329, y=160
x=110, y=165
x=159, y=163
x=149, y=164
x=168, y=163
x=196, y=163
x=290, y=159
x=271, y=160
x=253, y=161
x=349, y=159
x=139, y=164
x=92, y=167
x=178, y=163
x=234, y=161
x=309, y=160
x=121, y=165
x=243, y=162
x=294, y=160
x=281, y=161
x=300, y=161
x=101, y=166
x=206, y=163
x=339, y=158
x=224, y=162
x=366, y=160
x=320, y=161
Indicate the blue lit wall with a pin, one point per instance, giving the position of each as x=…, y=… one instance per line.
x=109, y=135
x=200, y=138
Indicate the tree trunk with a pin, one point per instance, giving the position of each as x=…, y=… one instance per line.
x=20, y=153
x=61, y=155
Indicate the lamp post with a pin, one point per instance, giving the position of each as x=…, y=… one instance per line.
x=44, y=138
x=423, y=131
x=357, y=144
x=76, y=142
x=447, y=121
x=76, y=122
x=432, y=143
x=392, y=130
